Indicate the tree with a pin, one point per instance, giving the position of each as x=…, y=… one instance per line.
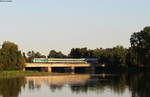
x=75, y=53
x=54, y=54
x=112, y=57
x=140, y=44
x=32, y=55
x=10, y=57
x=119, y=56
x=81, y=53
x=24, y=56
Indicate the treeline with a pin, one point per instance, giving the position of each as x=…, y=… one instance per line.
x=111, y=56
x=138, y=55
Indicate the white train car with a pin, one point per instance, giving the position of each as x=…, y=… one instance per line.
x=64, y=60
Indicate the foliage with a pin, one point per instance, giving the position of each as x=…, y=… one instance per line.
x=137, y=55
x=111, y=56
x=81, y=53
x=140, y=46
x=10, y=57
x=54, y=54
x=32, y=54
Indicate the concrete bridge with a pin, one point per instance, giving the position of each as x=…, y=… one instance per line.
x=48, y=66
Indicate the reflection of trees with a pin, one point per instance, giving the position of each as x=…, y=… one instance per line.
x=118, y=84
x=139, y=84
x=99, y=84
x=11, y=87
x=54, y=87
x=33, y=86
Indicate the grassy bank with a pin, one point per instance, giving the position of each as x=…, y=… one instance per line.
x=22, y=73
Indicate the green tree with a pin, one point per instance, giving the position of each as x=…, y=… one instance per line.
x=112, y=57
x=54, y=54
x=81, y=53
x=119, y=56
x=140, y=44
x=75, y=53
x=10, y=57
x=32, y=55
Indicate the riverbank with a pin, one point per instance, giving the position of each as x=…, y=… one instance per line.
x=24, y=73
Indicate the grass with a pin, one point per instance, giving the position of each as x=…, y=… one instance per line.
x=16, y=73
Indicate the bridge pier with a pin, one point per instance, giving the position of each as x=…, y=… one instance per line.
x=72, y=69
x=49, y=69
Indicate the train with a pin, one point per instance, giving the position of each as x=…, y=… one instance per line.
x=64, y=60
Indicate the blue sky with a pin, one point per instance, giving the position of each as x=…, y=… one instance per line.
x=43, y=25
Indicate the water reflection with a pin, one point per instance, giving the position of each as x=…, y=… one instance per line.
x=55, y=82
x=137, y=84
x=99, y=84
x=11, y=87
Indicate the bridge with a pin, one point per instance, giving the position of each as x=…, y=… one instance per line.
x=48, y=66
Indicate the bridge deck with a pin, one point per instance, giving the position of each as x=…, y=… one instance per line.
x=57, y=65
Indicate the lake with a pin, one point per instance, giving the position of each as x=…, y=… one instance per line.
x=77, y=85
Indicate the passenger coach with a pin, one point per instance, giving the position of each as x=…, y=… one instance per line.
x=64, y=60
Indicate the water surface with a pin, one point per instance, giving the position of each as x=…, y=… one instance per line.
x=77, y=85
